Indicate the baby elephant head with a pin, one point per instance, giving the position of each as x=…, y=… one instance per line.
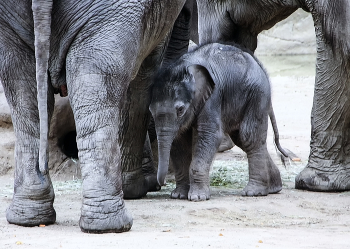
x=178, y=96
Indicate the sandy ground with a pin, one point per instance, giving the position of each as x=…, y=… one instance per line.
x=290, y=219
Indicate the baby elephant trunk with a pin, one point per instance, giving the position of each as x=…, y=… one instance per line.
x=165, y=139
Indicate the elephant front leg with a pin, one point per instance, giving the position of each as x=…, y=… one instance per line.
x=96, y=108
x=148, y=169
x=33, y=197
x=136, y=160
x=208, y=138
x=181, y=156
x=139, y=174
x=328, y=168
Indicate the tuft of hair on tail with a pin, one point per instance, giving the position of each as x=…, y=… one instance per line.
x=286, y=155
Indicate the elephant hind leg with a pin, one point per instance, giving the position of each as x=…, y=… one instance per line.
x=103, y=208
x=259, y=180
x=264, y=176
x=275, y=185
x=33, y=197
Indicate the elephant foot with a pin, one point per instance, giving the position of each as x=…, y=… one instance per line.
x=199, y=192
x=135, y=185
x=150, y=173
x=253, y=189
x=32, y=207
x=105, y=215
x=226, y=144
x=275, y=188
x=180, y=192
x=151, y=183
x=316, y=180
x=275, y=180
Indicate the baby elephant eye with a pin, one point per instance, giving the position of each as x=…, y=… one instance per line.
x=180, y=110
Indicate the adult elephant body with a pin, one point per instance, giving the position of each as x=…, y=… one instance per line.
x=104, y=54
x=241, y=21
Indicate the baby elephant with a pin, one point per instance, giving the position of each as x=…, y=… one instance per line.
x=213, y=90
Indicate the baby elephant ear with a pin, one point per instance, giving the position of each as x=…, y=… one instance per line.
x=203, y=85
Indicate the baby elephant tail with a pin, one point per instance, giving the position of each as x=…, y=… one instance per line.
x=285, y=153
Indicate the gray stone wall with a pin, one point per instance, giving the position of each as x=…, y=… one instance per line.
x=294, y=35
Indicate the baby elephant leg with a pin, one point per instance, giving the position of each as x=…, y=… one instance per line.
x=259, y=178
x=275, y=185
x=181, y=156
x=206, y=145
x=264, y=176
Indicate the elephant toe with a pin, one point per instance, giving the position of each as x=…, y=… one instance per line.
x=200, y=197
x=180, y=192
x=199, y=193
x=255, y=190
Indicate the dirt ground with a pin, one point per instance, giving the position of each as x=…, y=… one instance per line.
x=290, y=219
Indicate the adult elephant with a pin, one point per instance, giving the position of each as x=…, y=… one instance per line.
x=103, y=55
x=241, y=21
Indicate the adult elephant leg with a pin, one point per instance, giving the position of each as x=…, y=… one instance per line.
x=328, y=168
x=175, y=48
x=148, y=169
x=96, y=99
x=33, y=197
x=139, y=178
x=185, y=25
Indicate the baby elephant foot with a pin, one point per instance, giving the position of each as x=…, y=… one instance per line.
x=275, y=186
x=180, y=192
x=255, y=190
x=199, y=192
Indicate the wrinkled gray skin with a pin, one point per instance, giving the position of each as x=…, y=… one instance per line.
x=214, y=90
x=241, y=21
x=104, y=53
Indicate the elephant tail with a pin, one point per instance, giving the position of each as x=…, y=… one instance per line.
x=42, y=31
x=285, y=153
